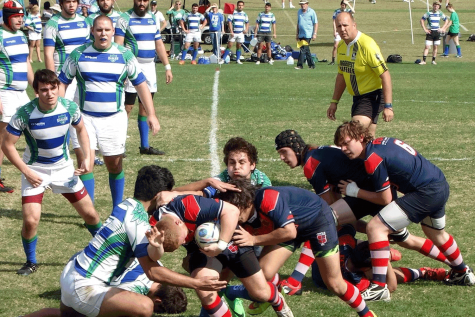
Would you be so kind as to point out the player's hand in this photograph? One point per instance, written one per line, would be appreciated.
(164, 197)
(388, 114)
(349, 188)
(331, 111)
(314, 37)
(212, 250)
(155, 237)
(33, 178)
(210, 283)
(168, 76)
(153, 123)
(242, 238)
(84, 168)
(427, 31)
(275, 36)
(221, 186)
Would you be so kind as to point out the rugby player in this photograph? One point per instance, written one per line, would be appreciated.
(106, 7)
(433, 30)
(239, 26)
(195, 22)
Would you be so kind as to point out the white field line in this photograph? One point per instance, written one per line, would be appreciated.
(213, 143)
(194, 160)
(287, 14)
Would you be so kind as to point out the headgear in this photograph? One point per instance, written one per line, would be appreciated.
(11, 9)
(291, 139)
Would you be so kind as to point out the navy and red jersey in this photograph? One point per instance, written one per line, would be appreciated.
(391, 161)
(328, 165)
(192, 210)
(280, 206)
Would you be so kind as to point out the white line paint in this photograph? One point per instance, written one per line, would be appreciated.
(213, 143)
(279, 3)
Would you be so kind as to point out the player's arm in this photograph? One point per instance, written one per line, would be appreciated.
(205, 22)
(335, 32)
(231, 28)
(340, 87)
(388, 113)
(49, 43)
(182, 25)
(146, 97)
(62, 89)
(49, 60)
(423, 24)
(286, 233)
(163, 275)
(155, 243)
(162, 54)
(446, 24)
(315, 30)
(228, 221)
(83, 140)
(350, 188)
(119, 39)
(246, 29)
(274, 27)
(30, 75)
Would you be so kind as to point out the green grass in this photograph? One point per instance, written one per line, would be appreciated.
(433, 112)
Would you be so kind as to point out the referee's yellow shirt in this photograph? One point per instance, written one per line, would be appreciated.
(361, 63)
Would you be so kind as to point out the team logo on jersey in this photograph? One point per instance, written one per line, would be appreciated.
(322, 238)
(150, 21)
(23, 40)
(233, 248)
(81, 24)
(113, 58)
(353, 56)
(378, 57)
(62, 119)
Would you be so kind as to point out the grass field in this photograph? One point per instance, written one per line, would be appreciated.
(433, 112)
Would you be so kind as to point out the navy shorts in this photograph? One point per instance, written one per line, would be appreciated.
(428, 201)
(369, 105)
(362, 208)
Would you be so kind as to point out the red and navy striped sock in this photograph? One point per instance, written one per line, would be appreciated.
(353, 298)
(305, 261)
(379, 260)
(430, 250)
(452, 252)
(218, 308)
(275, 299)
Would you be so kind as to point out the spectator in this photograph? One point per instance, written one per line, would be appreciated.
(238, 25)
(33, 24)
(195, 22)
(307, 27)
(264, 21)
(158, 15)
(454, 29)
(433, 31)
(344, 7)
(84, 11)
(176, 13)
(216, 27)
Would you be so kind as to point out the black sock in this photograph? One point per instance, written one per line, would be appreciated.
(424, 58)
(433, 58)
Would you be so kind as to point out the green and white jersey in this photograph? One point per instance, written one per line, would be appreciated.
(113, 15)
(101, 75)
(433, 19)
(134, 279)
(13, 60)
(455, 27)
(176, 16)
(120, 240)
(257, 178)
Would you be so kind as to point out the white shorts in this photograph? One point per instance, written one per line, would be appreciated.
(150, 74)
(72, 91)
(61, 180)
(193, 37)
(84, 295)
(337, 38)
(33, 36)
(237, 38)
(429, 43)
(11, 101)
(107, 134)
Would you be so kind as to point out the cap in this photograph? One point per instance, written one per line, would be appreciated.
(55, 7)
(214, 5)
(153, 2)
(303, 1)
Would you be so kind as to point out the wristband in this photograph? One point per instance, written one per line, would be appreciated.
(388, 105)
(168, 67)
(335, 101)
(222, 245)
(352, 190)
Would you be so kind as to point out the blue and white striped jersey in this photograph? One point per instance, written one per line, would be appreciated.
(239, 20)
(193, 21)
(101, 76)
(140, 34)
(46, 133)
(433, 19)
(120, 239)
(114, 15)
(65, 35)
(134, 279)
(13, 59)
(338, 11)
(265, 21)
(34, 21)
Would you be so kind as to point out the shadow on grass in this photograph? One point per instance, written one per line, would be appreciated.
(56, 294)
(45, 216)
(19, 264)
(284, 183)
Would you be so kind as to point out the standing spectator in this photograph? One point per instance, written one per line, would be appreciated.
(433, 31)
(307, 27)
(138, 30)
(15, 73)
(216, 27)
(158, 15)
(176, 13)
(106, 8)
(363, 72)
(290, 4)
(103, 113)
(46, 163)
(195, 22)
(454, 29)
(84, 11)
(33, 23)
(239, 26)
(344, 7)
(263, 31)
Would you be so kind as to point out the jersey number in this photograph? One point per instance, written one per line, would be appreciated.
(406, 147)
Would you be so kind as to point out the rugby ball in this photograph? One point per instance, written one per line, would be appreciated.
(206, 234)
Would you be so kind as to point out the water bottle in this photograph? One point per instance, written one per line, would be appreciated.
(290, 60)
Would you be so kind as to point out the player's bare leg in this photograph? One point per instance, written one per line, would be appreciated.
(118, 302)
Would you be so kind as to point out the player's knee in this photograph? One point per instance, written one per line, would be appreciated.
(336, 285)
(260, 294)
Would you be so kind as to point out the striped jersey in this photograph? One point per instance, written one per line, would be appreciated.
(120, 239)
(193, 21)
(258, 178)
(34, 21)
(433, 19)
(114, 15)
(46, 132)
(13, 59)
(140, 34)
(338, 11)
(361, 63)
(134, 279)
(239, 20)
(65, 35)
(101, 76)
(265, 21)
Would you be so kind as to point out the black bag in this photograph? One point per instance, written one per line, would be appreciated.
(471, 38)
(288, 48)
(395, 58)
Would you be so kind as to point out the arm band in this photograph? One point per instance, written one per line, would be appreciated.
(388, 105)
(335, 101)
(222, 245)
(168, 67)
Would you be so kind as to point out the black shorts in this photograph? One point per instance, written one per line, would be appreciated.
(131, 96)
(452, 34)
(264, 37)
(241, 261)
(428, 201)
(361, 207)
(433, 36)
(369, 105)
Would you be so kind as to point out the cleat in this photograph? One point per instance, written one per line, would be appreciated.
(459, 56)
(289, 289)
(98, 161)
(434, 63)
(258, 62)
(27, 269)
(5, 189)
(444, 55)
(256, 308)
(193, 62)
(235, 306)
(312, 67)
(376, 293)
(299, 67)
(466, 278)
(239, 62)
(422, 63)
(291, 6)
(181, 62)
(151, 151)
(285, 311)
(331, 63)
(434, 274)
(271, 61)
(395, 255)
